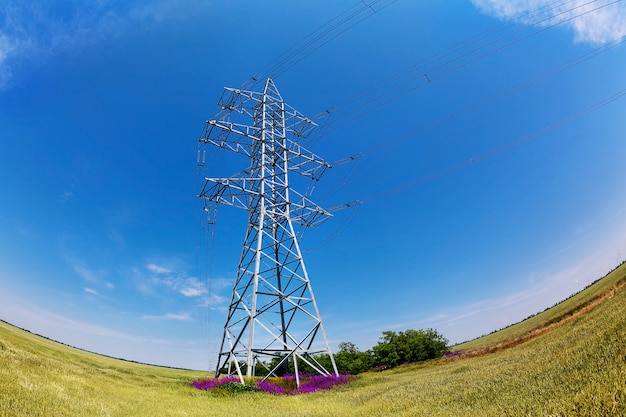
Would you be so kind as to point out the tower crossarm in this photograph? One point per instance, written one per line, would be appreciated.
(247, 103)
(240, 138)
(240, 191)
(302, 210)
(235, 137)
(304, 162)
(232, 191)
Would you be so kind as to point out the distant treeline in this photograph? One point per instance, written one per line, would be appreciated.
(93, 353)
(555, 304)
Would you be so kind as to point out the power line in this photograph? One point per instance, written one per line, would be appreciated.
(419, 76)
(496, 151)
(490, 99)
(456, 167)
(320, 37)
(441, 55)
(475, 106)
(355, 205)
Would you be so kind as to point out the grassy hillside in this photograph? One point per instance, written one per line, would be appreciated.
(573, 365)
(544, 321)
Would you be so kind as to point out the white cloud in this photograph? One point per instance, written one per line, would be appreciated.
(90, 276)
(590, 21)
(154, 278)
(35, 30)
(158, 269)
(213, 299)
(7, 46)
(65, 196)
(172, 280)
(546, 289)
(25, 229)
(85, 273)
(104, 340)
(191, 287)
(169, 316)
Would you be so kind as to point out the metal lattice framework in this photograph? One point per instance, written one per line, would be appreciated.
(273, 320)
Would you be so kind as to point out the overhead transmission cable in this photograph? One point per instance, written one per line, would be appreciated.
(439, 56)
(345, 21)
(468, 109)
(321, 36)
(424, 76)
(454, 115)
(453, 64)
(472, 107)
(430, 74)
(496, 151)
(491, 99)
(205, 254)
(354, 205)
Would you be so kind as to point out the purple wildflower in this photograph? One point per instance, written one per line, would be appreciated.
(212, 383)
(270, 388)
(308, 383)
(281, 386)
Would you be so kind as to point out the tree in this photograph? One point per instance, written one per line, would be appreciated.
(351, 360)
(410, 346)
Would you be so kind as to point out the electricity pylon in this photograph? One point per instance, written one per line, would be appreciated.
(273, 320)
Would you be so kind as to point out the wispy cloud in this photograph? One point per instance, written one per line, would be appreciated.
(130, 345)
(89, 275)
(167, 276)
(86, 273)
(25, 229)
(594, 24)
(213, 299)
(65, 196)
(191, 287)
(472, 320)
(168, 316)
(164, 277)
(37, 29)
(7, 46)
(158, 269)
(540, 289)
(90, 290)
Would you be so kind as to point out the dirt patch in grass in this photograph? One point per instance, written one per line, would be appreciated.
(544, 328)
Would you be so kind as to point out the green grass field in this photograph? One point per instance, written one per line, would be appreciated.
(567, 361)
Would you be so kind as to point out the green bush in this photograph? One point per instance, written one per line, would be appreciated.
(407, 347)
(352, 361)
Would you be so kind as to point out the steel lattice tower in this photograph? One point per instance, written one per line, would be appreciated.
(273, 319)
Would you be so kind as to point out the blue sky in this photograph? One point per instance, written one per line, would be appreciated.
(490, 143)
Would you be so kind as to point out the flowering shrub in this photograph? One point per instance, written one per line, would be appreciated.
(454, 354)
(308, 383)
(277, 386)
(212, 383)
(270, 388)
